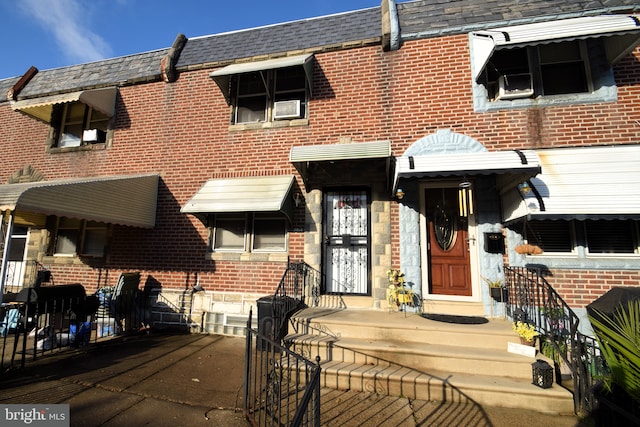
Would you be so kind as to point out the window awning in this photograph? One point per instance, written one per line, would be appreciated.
(103, 100)
(124, 200)
(250, 194)
(222, 77)
(581, 183)
(333, 152)
(622, 36)
(516, 166)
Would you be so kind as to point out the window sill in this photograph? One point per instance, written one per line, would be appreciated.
(86, 147)
(71, 260)
(277, 124)
(248, 256)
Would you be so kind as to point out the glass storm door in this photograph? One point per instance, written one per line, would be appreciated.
(346, 242)
(448, 249)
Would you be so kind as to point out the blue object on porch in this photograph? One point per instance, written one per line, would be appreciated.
(9, 322)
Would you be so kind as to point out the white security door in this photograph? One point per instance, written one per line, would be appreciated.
(346, 241)
(16, 263)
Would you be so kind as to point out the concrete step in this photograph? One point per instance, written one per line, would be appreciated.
(407, 355)
(384, 326)
(442, 357)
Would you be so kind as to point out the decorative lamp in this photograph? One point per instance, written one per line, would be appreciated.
(399, 194)
(542, 374)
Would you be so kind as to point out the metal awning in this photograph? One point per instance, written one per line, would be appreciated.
(518, 166)
(222, 77)
(103, 100)
(581, 183)
(333, 152)
(622, 34)
(250, 194)
(123, 200)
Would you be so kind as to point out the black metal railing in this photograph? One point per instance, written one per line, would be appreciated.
(533, 300)
(281, 388)
(300, 283)
(42, 323)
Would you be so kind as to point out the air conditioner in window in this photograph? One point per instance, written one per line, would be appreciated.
(514, 86)
(93, 136)
(286, 109)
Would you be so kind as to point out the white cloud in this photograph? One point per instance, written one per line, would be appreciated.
(70, 22)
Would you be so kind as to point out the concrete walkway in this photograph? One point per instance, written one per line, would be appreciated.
(196, 380)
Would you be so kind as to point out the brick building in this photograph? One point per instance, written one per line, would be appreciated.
(441, 139)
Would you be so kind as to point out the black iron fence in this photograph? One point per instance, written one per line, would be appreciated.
(531, 299)
(281, 388)
(39, 321)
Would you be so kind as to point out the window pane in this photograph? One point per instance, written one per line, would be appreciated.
(269, 234)
(229, 233)
(292, 78)
(551, 236)
(250, 83)
(95, 240)
(251, 109)
(610, 237)
(67, 241)
(564, 78)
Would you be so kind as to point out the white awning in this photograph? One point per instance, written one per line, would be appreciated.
(581, 183)
(252, 194)
(222, 76)
(622, 34)
(517, 165)
(124, 200)
(333, 152)
(103, 100)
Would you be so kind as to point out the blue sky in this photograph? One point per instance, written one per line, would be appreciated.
(56, 33)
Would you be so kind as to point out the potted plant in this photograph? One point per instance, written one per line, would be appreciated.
(497, 289)
(398, 293)
(526, 331)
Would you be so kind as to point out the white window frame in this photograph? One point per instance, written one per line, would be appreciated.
(92, 119)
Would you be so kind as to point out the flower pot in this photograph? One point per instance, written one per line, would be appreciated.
(499, 294)
(524, 341)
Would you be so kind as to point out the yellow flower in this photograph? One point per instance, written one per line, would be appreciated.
(395, 276)
(525, 330)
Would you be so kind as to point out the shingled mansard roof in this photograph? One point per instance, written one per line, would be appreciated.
(416, 19)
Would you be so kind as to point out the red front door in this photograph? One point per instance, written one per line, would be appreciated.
(448, 250)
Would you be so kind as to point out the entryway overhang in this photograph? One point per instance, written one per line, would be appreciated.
(580, 183)
(621, 32)
(247, 194)
(512, 167)
(302, 156)
(123, 200)
(103, 100)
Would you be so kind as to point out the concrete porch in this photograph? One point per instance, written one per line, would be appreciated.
(404, 354)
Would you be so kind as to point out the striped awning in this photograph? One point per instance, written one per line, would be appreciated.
(518, 165)
(124, 200)
(580, 183)
(103, 100)
(248, 194)
(622, 34)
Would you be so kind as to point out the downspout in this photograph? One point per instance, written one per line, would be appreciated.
(390, 25)
(5, 251)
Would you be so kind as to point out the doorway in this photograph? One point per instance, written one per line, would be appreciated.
(346, 242)
(447, 234)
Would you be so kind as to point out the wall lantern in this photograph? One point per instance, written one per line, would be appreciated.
(542, 374)
(399, 194)
(524, 188)
(298, 199)
(465, 199)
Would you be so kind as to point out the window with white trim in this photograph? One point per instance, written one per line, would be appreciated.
(539, 71)
(75, 124)
(71, 237)
(268, 95)
(248, 232)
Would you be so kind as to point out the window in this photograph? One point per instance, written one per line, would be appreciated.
(539, 71)
(248, 233)
(72, 237)
(77, 124)
(597, 237)
(268, 95)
